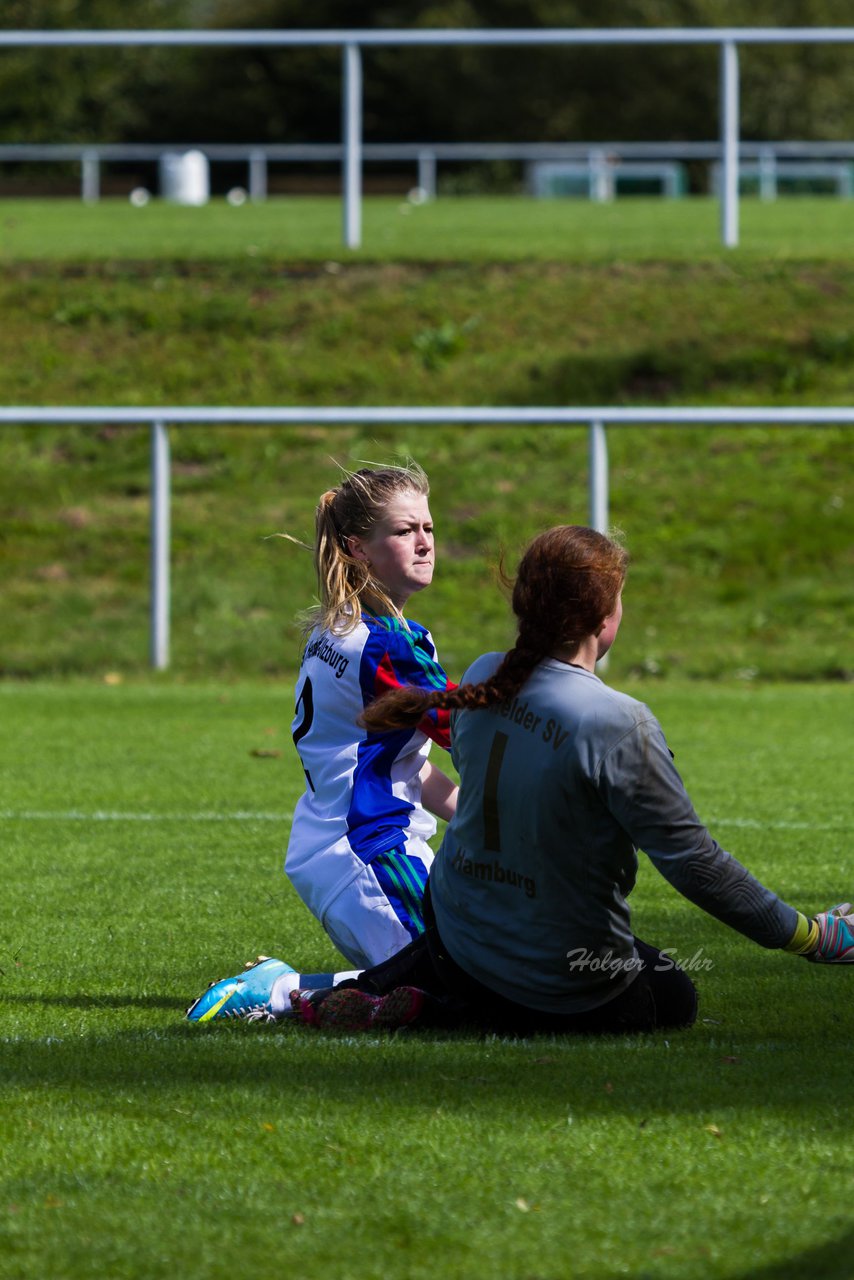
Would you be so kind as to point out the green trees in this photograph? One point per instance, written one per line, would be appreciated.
(469, 93)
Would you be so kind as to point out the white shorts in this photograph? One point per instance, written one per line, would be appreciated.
(380, 911)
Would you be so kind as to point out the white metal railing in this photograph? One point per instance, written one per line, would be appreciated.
(765, 161)
(352, 42)
(595, 418)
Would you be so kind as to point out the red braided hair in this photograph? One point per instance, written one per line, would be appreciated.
(567, 584)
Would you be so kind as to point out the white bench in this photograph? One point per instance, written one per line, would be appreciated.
(602, 177)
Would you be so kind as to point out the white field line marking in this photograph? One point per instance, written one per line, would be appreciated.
(108, 815)
(249, 815)
(756, 824)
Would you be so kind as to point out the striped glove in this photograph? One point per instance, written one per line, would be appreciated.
(827, 938)
(835, 936)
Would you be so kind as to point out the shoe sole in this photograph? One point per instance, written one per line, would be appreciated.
(351, 1010)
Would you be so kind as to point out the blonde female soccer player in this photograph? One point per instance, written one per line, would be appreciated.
(358, 854)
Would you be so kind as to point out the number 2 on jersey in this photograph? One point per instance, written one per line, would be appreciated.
(306, 701)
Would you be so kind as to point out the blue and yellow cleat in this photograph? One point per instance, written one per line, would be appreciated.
(245, 996)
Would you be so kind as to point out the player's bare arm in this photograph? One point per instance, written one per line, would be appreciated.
(438, 792)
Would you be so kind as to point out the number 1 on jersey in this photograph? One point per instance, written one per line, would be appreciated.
(491, 825)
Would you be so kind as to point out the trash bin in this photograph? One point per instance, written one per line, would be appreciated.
(185, 177)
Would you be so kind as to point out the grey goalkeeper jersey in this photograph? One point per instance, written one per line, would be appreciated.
(559, 788)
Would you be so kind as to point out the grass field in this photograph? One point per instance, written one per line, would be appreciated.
(751, 531)
(144, 820)
(142, 850)
(471, 228)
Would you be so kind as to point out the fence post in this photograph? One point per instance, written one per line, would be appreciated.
(598, 478)
(601, 177)
(729, 143)
(352, 131)
(160, 487)
(599, 492)
(767, 174)
(91, 177)
(257, 175)
(427, 173)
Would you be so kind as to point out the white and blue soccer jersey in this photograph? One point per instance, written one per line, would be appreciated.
(363, 790)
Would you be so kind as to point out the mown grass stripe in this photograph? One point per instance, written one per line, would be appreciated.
(100, 815)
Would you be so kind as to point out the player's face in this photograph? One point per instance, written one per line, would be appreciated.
(610, 627)
(400, 550)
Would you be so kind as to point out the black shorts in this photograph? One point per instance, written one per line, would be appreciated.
(660, 995)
